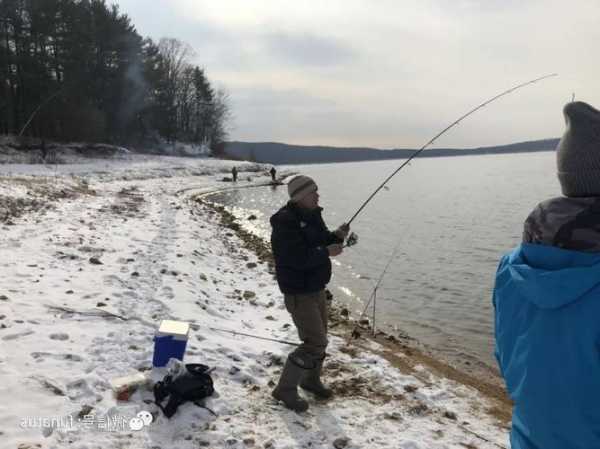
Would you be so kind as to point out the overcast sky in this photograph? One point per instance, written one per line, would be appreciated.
(387, 73)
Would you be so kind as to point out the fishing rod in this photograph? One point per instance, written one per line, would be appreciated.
(456, 122)
(374, 293)
(291, 343)
(55, 94)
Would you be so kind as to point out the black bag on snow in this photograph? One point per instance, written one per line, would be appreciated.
(193, 385)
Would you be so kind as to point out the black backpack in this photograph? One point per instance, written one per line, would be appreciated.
(193, 385)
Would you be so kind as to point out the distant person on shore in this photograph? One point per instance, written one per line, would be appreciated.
(234, 173)
(273, 174)
(44, 151)
(547, 303)
(302, 246)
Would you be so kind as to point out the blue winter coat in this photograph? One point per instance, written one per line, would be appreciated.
(547, 327)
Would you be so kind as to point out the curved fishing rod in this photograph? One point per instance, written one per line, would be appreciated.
(55, 94)
(416, 153)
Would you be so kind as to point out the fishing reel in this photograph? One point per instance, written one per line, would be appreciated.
(351, 240)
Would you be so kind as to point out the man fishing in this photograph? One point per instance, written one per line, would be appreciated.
(302, 246)
(547, 303)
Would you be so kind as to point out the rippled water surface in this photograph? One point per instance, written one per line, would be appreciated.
(451, 218)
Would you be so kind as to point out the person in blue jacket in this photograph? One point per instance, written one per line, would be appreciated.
(547, 303)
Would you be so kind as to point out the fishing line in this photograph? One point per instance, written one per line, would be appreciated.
(373, 296)
(456, 122)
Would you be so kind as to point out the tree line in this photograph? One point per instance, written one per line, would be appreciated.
(81, 70)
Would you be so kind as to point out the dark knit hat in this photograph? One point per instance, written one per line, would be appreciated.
(578, 152)
(300, 186)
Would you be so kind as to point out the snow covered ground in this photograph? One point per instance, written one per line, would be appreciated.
(94, 255)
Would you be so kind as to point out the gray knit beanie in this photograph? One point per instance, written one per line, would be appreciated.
(300, 186)
(578, 152)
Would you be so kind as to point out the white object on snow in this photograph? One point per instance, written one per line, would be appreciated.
(175, 368)
(124, 386)
(179, 330)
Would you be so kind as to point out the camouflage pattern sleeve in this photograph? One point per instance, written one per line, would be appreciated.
(570, 223)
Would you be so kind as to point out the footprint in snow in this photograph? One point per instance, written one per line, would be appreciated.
(114, 280)
(409, 445)
(80, 388)
(131, 294)
(168, 292)
(40, 356)
(17, 335)
(59, 336)
(99, 345)
(91, 295)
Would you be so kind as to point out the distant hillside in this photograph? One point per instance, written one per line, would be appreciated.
(281, 153)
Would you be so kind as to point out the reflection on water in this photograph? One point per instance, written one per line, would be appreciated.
(452, 217)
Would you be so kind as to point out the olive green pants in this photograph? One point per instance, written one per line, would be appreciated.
(309, 313)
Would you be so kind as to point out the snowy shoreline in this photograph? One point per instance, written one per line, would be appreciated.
(69, 325)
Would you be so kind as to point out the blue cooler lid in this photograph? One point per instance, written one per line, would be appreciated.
(178, 330)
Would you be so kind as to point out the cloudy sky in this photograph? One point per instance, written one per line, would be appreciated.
(387, 73)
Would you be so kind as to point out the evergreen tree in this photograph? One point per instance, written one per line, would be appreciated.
(82, 72)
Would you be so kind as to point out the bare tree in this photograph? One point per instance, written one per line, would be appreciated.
(220, 119)
(175, 56)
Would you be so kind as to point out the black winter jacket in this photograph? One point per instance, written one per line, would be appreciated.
(299, 239)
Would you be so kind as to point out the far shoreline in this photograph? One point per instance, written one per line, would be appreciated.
(278, 153)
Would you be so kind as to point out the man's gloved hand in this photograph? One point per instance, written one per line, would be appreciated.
(334, 250)
(342, 231)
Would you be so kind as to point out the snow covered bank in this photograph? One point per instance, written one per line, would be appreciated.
(89, 274)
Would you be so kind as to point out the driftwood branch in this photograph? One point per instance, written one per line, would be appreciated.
(95, 312)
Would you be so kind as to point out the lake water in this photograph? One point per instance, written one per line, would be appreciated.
(451, 218)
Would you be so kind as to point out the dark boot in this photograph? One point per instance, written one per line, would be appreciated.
(287, 388)
(312, 382)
